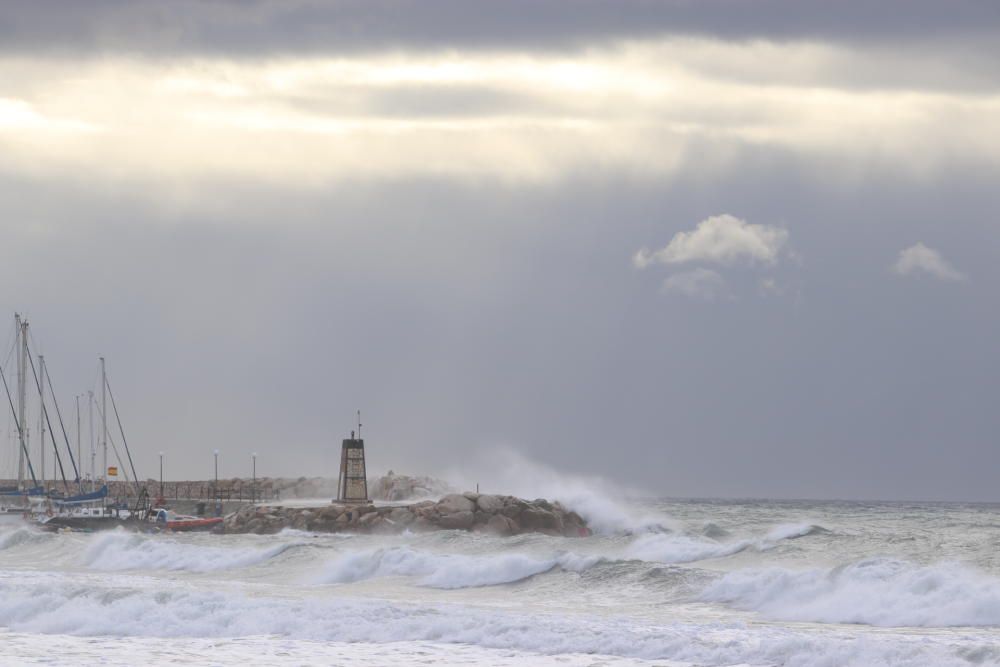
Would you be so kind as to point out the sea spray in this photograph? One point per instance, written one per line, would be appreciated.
(603, 505)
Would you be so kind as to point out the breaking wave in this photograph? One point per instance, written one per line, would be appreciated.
(793, 531)
(129, 551)
(448, 570)
(58, 605)
(669, 548)
(675, 548)
(875, 591)
(20, 536)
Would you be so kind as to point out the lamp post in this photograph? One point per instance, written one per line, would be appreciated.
(215, 489)
(253, 477)
(161, 474)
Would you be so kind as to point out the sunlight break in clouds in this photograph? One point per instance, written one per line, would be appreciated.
(722, 239)
(20, 116)
(918, 259)
(652, 108)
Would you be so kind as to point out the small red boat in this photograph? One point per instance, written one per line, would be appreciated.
(169, 520)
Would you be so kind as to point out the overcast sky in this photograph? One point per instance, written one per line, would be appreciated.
(702, 248)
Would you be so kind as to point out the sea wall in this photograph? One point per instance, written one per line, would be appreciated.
(501, 515)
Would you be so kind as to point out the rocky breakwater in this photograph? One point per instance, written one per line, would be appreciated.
(500, 515)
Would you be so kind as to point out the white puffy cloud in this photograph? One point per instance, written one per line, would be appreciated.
(722, 239)
(697, 284)
(918, 258)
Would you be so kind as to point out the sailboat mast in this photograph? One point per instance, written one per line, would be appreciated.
(17, 413)
(41, 418)
(104, 419)
(90, 427)
(22, 398)
(78, 481)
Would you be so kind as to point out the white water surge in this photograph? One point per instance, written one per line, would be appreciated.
(713, 583)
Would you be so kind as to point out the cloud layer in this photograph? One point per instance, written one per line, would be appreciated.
(660, 108)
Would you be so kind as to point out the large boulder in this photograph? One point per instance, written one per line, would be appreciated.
(322, 525)
(455, 502)
(489, 503)
(331, 511)
(500, 525)
(513, 508)
(541, 521)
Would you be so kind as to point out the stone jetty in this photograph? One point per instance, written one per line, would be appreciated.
(500, 515)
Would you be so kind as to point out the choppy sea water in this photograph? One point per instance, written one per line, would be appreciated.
(662, 583)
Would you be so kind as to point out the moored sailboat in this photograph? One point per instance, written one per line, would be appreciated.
(78, 507)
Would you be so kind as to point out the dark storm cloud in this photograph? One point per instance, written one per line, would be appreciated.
(260, 28)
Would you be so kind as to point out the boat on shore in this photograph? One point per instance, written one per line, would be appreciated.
(91, 519)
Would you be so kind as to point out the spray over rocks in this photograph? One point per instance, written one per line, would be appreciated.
(496, 514)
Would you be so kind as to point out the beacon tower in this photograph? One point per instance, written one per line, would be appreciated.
(352, 484)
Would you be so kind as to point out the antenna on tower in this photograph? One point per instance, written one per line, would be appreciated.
(359, 424)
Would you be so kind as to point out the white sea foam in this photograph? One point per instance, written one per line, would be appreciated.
(448, 570)
(24, 649)
(129, 551)
(58, 605)
(874, 591)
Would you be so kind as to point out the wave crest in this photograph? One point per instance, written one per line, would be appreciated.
(875, 591)
(448, 570)
(674, 548)
(19, 536)
(129, 551)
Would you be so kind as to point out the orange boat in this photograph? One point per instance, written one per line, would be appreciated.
(169, 520)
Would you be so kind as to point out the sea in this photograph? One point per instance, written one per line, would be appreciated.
(661, 582)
